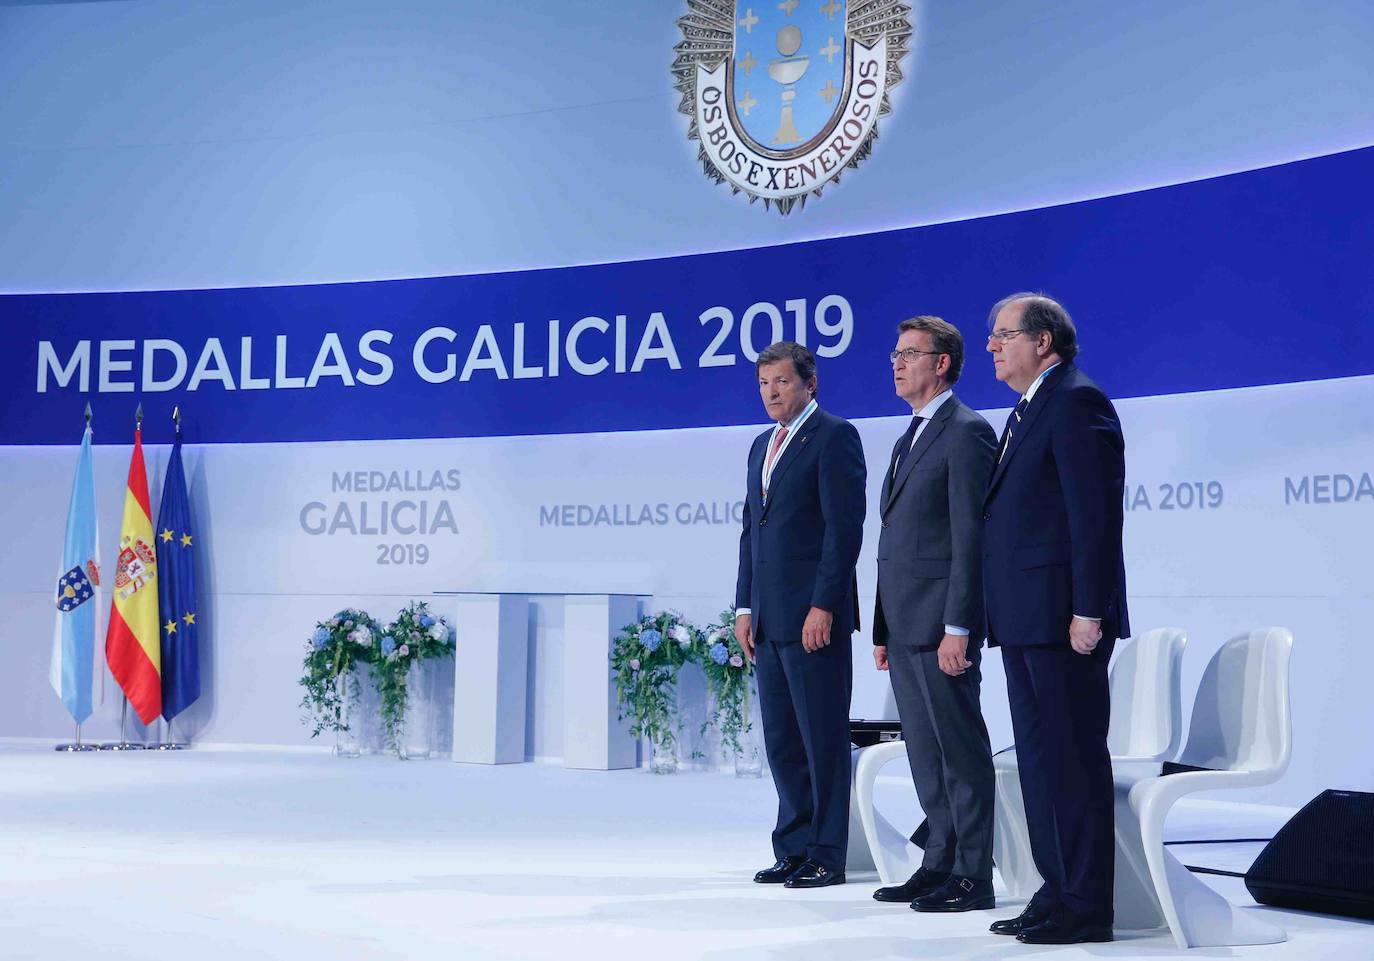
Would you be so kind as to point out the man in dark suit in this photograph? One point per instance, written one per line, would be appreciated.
(796, 606)
(928, 621)
(1054, 583)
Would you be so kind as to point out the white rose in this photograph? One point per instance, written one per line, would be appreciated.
(439, 632)
(680, 634)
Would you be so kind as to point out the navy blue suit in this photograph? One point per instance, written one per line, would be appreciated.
(798, 551)
(1052, 549)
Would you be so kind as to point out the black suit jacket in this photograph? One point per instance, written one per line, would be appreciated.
(930, 547)
(800, 549)
(1053, 518)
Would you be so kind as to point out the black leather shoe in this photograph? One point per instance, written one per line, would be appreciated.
(781, 871)
(1061, 929)
(1026, 919)
(813, 875)
(957, 894)
(922, 882)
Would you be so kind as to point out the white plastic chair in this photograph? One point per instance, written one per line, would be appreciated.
(890, 851)
(1145, 729)
(1241, 733)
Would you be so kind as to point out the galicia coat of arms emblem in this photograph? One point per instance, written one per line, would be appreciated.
(785, 96)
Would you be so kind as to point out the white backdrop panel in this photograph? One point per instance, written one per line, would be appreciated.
(1248, 507)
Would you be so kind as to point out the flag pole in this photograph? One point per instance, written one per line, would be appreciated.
(170, 743)
(124, 744)
(76, 746)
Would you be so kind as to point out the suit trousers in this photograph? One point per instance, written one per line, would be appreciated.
(951, 758)
(804, 703)
(1060, 710)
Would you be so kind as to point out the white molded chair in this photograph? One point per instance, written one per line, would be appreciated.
(1241, 734)
(1145, 729)
(891, 852)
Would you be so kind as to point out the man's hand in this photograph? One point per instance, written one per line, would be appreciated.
(816, 630)
(951, 655)
(1084, 634)
(744, 633)
(880, 657)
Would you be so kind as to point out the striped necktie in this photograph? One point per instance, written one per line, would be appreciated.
(1014, 419)
(778, 438)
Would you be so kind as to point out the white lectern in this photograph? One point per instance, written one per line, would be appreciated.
(592, 736)
(490, 675)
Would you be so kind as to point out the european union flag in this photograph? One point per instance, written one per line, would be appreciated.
(176, 592)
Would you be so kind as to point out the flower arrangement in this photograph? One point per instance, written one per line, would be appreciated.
(729, 679)
(414, 636)
(645, 662)
(338, 644)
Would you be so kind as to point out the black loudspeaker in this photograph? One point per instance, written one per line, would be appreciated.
(868, 733)
(1322, 859)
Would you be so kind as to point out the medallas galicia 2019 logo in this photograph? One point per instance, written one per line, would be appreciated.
(785, 96)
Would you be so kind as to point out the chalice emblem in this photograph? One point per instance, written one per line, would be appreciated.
(787, 70)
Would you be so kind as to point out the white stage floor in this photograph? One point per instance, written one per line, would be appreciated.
(215, 855)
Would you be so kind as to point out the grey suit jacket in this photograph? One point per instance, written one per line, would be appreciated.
(930, 553)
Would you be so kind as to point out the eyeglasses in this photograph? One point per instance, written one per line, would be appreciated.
(1005, 335)
(909, 354)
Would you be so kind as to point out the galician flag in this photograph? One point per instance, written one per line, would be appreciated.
(75, 672)
(176, 591)
(132, 646)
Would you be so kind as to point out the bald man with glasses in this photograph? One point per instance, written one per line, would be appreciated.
(1054, 583)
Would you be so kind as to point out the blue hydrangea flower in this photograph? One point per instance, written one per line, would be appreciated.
(388, 644)
(720, 653)
(651, 639)
(426, 620)
(320, 637)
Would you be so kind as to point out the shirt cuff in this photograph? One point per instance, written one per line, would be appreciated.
(956, 631)
(1085, 617)
(742, 610)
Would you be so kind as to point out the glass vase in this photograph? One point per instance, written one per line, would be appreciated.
(417, 736)
(662, 754)
(346, 718)
(749, 757)
(367, 712)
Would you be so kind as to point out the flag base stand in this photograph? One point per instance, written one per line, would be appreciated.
(169, 744)
(76, 745)
(124, 744)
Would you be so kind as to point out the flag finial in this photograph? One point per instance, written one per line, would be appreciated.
(176, 417)
(88, 413)
(138, 415)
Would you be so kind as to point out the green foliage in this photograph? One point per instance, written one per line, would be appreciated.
(412, 637)
(645, 662)
(729, 680)
(338, 644)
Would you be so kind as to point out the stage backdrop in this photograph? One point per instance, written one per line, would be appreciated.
(584, 428)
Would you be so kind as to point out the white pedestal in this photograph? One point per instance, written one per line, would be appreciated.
(490, 680)
(592, 736)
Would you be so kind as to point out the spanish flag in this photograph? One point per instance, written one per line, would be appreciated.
(132, 645)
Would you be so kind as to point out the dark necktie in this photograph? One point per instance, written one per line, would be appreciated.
(1012, 422)
(904, 446)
